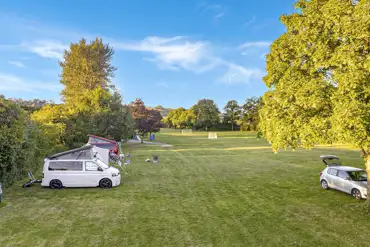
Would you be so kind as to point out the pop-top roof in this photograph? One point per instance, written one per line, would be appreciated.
(93, 138)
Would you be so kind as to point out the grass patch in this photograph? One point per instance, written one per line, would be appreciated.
(233, 191)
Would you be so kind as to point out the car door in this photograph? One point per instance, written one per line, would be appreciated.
(343, 182)
(93, 174)
(332, 177)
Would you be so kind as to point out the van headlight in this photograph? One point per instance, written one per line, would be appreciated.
(115, 174)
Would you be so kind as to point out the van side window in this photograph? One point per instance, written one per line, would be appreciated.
(65, 165)
(91, 166)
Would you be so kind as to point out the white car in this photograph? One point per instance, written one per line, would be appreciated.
(347, 179)
(78, 168)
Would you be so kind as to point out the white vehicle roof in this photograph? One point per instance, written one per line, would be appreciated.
(346, 168)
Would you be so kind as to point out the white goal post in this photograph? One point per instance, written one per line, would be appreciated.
(186, 131)
(212, 135)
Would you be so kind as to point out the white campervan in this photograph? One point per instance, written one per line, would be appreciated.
(78, 168)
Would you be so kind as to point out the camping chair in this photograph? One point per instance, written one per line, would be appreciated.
(32, 180)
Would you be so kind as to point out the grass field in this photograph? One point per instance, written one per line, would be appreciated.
(233, 191)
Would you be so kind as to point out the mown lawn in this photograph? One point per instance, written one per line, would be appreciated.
(233, 191)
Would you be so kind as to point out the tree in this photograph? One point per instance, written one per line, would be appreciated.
(154, 121)
(250, 114)
(86, 75)
(90, 102)
(319, 78)
(206, 113)
(145, 120)
(232, 110)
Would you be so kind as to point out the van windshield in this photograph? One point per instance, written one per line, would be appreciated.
(102, 164)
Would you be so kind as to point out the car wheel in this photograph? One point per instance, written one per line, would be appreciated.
(105, 183)
(324, 184)
(356, 194)
(56, 184)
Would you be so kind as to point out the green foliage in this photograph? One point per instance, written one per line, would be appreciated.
(180, 118)
(319, 77)
(22, 144)
(250, 118)
(232, 112)
(86, 75)
(206, 113)
(91, 105)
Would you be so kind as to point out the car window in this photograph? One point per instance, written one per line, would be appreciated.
(65, 165)
(91, 166)
(332, 171)
(343, 174)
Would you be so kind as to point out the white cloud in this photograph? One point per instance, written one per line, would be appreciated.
(237, 74)
(17, 63)
(219, 15)
(173, 53)
(259, 44)
(46, 48)
(250, 47)
(13, 83)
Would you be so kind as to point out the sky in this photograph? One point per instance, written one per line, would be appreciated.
(167, 52)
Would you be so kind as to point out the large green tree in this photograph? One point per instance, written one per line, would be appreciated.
(249, 119)
(206, 113)
(232, 111)
(319, 77)
(86, 75)
(90, 103)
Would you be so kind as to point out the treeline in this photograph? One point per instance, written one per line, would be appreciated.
(205, 114)
(90, 105)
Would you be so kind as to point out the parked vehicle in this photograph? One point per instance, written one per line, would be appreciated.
(347, 179)
(78, 168)
(103, 143)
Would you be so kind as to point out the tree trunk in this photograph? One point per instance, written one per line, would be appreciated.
(206, 128)
(232, 126)
(368, 177)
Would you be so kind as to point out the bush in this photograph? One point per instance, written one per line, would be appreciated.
(22, 145)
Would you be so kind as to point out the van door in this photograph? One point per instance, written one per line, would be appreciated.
(94, 174)
(67, 171)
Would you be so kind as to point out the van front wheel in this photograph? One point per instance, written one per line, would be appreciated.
(105, 183)
(56, 184)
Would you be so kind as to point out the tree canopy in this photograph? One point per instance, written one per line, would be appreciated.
(319, 77)
(91, 105)
(232, 111)
(145, 120)
(250, 119)
(206, 113)
(86, 74)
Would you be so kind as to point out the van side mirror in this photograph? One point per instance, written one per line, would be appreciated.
(100, 169)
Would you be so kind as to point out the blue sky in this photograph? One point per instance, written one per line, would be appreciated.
(167, 52)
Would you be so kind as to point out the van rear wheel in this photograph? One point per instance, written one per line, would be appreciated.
(56, 184)
(105, 183)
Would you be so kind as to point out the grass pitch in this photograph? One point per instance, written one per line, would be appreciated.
(233, 191)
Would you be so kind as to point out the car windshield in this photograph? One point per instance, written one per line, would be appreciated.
(358, 175)
(102, 164)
